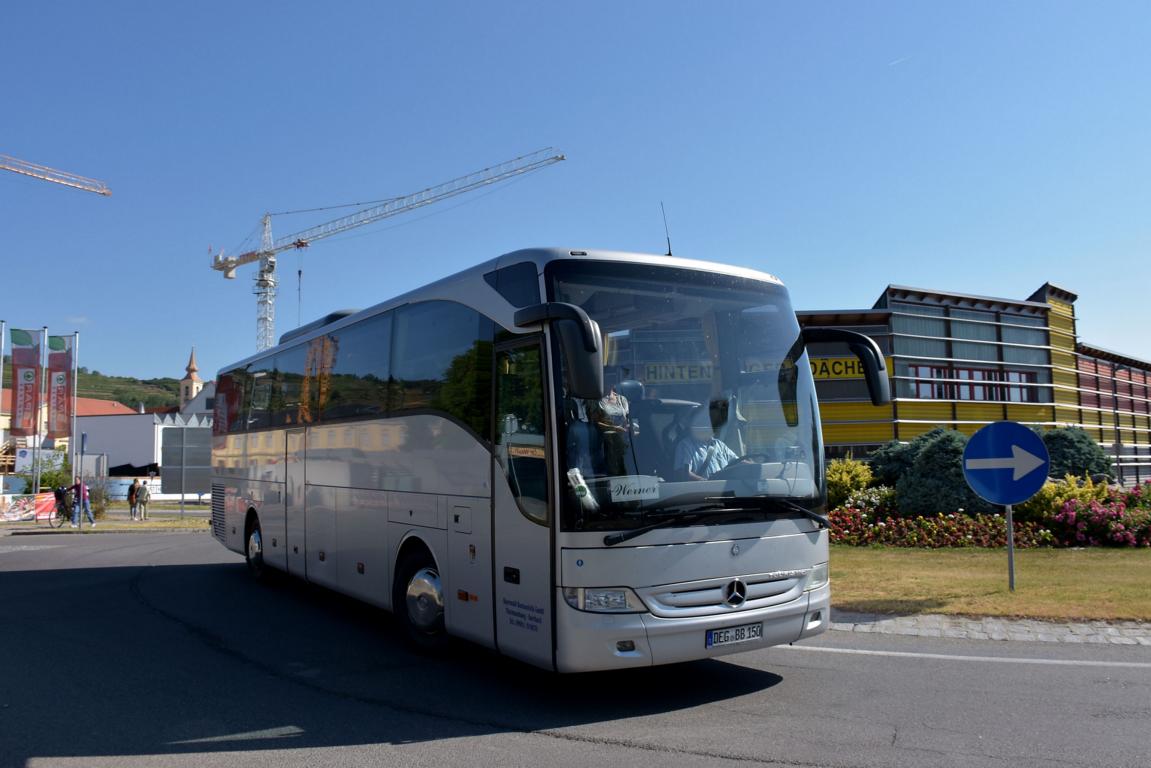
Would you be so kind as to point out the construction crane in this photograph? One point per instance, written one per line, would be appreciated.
(265, 282)
(51, 174)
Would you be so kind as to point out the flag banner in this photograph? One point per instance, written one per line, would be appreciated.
(25, 381)
(59, 386)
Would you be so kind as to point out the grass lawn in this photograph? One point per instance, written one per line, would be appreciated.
(1057, 584)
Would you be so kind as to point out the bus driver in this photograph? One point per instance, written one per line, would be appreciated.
(700, 454)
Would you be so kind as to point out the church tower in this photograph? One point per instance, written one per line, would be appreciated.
(191, 384)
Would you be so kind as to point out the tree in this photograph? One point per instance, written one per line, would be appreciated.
(1073, 452)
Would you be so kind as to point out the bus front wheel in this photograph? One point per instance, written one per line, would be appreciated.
(254, 550)
(418, 602)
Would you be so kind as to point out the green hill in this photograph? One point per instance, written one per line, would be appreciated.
(153, 393)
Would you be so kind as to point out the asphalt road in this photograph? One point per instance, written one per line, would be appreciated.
(157, 650)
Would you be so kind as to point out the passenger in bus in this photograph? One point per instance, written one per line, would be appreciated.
(700, 454)
(610, 416)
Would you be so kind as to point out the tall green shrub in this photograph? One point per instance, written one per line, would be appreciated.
(1073, 452)
(895, 459)
(935, 483)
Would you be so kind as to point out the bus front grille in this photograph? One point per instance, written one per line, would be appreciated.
(725, 595)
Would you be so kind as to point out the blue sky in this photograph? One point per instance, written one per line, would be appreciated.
(983, 147)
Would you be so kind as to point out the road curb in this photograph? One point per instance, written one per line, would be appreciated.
(1135, 633)
(98, 530)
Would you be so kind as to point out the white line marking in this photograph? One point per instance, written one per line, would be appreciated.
(283, 732)
(956, 657)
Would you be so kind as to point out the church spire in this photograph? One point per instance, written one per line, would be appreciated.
(191, 384)
(191, 368)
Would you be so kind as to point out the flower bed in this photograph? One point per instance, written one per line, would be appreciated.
(1121, 519)
(858, 528)
(1093, 524)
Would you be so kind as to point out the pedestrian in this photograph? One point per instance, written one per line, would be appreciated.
(80, 501)
(133, 489)
(143, 496)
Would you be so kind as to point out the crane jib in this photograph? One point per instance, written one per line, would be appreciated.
(265, 280)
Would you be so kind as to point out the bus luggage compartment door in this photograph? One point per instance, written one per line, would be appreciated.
(469, 599)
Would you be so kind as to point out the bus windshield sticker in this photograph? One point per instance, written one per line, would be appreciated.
(634, 488)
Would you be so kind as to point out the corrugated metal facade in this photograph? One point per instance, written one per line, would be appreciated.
(962, 361)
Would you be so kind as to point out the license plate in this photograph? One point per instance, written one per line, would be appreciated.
(732, 635)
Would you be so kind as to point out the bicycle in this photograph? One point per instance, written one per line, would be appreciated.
(61, 513)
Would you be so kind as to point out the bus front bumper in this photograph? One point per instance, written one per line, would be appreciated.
(588, 642)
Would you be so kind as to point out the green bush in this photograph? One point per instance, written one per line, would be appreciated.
(845, 476)
(1073, 452)
(98, 498)
(895, 459)
(935, 483)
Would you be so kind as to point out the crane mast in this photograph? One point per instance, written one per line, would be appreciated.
(45, 173)
(265, 282)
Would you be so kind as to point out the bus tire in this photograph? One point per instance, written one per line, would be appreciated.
(254, 549)
(418, 602)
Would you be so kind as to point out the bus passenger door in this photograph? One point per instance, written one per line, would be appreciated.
(521, 522)
(294, 508)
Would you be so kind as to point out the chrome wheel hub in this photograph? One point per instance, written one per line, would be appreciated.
(425, 600)
(255, 545)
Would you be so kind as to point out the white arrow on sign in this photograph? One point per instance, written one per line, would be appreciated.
(1021, 463)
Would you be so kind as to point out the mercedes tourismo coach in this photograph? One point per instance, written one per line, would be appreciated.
(584, 460)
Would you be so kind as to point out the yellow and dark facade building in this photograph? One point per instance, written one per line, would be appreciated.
(961, 362)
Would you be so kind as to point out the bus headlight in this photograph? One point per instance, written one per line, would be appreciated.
(603, 599)
(817, 578)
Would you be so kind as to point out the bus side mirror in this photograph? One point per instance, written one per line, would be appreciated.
(581, 344)
(869, 354)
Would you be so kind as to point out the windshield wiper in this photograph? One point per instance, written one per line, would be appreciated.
(773, 504)
(716, 506)
(669, 517)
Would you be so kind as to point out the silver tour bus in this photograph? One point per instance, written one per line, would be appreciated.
(585, 460)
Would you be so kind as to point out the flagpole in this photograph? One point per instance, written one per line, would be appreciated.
(75, 388)
(36, 452)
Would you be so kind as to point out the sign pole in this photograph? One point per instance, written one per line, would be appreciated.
(183, 434)
(1006, 463)
(80, 490)
(1010, 550)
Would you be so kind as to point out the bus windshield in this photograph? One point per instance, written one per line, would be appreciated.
(709, 398)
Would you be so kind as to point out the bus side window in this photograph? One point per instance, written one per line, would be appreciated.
(291, 406)
(520, 440)
(259, 400)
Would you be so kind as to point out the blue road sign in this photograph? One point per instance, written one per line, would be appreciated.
(1005, 463)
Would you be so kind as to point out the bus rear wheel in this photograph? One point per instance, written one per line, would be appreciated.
(418, 602)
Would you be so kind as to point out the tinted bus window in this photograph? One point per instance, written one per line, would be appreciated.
(292, 394)
(258, 396)
(357, 385)
(442, 361)
(228, 411)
